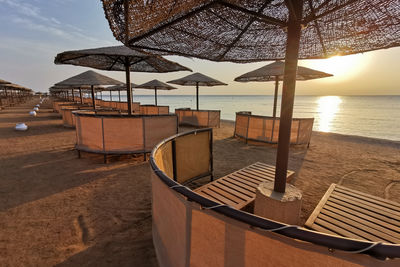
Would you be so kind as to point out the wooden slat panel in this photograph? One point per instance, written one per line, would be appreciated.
(366, 206)
(236, 181)
(240, 192)
(354, 214)
(214, 187)
(350, 228)
(238, 189)
(373, 199)
(339, 231)
(221, 199)
(363, 225)
(372, 216)
(378, 223)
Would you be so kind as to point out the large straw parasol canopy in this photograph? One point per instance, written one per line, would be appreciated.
(247, 31)
(197, 79)
(275, 72)
(119, 58)
(155, 85)
(89, 78)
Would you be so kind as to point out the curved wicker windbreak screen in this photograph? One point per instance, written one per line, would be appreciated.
(187, 234)
(199, 118)
(266, 129)
(57, 105)
(188, 157)
(153, 110)
(68, 118)
(116, 134)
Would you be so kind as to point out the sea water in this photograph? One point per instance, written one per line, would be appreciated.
(370, 116)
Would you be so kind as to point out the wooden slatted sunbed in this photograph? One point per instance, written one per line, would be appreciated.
(357, 215)
(238, 189)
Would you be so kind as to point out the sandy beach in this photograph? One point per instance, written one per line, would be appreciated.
(58, 210)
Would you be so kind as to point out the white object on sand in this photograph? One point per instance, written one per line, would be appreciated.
(32, 113)
(21, 127)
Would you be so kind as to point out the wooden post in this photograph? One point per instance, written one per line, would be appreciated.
(289, 85)
(80, 94)
(128, 86)
(127, 65)
(275, 96)
(155, 95)
(93, 98)
(197, 95)
(119, 95)
(110, 96)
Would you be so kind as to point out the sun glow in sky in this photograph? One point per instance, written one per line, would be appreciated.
(342, 67)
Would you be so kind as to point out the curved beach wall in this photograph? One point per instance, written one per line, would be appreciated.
(190, 230)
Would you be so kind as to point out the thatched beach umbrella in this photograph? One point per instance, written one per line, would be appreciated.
(65, 88)
(197, 79)
(4, 81)
(119, 58)
(13, 87)
(155, 85)
(249, 31)
(275, 72)
(89, 78)
(119, 88)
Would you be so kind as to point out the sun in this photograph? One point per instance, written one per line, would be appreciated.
(342, 67)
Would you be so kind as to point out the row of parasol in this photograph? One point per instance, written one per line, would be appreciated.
(121, 58)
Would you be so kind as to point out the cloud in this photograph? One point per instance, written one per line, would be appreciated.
(31, 17)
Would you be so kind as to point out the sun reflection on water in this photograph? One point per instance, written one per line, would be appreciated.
(328, 106)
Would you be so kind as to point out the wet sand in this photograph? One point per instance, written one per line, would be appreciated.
(56, 209)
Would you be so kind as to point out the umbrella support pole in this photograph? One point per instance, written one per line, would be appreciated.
(80, 95)
(128, 87)
(93, 98)
(197, 95)
(155, 95)
(275, 96)
(288, 91)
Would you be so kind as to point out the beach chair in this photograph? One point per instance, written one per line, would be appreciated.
(350, 213)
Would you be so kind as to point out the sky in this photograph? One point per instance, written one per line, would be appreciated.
(34, 31)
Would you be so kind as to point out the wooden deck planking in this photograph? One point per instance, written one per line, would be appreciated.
(238, 189)
(354, 214)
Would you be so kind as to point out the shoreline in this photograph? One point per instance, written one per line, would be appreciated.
(349, 136)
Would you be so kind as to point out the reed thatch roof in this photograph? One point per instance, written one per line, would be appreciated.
(89, 78)
(116, 57)
(4, 81)
(246, 31)
(276, 70)
(155, 84)
(70, 87)
(13, 86)
(121, 87)
(197, 79)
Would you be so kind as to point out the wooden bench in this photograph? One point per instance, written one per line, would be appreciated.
(357, 215)
(238, 189)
